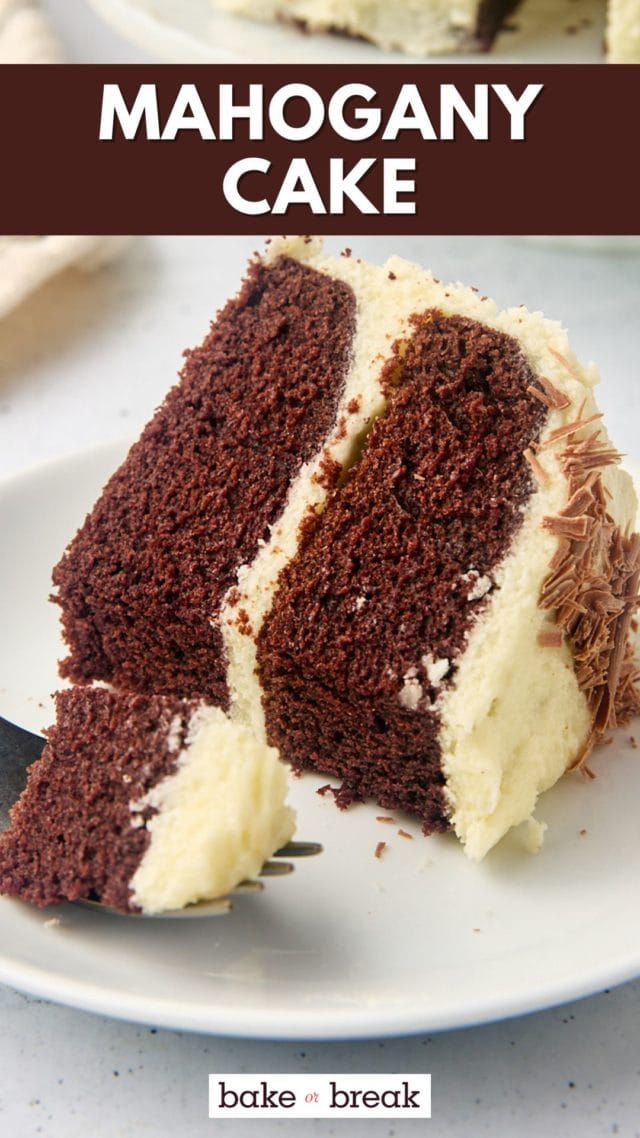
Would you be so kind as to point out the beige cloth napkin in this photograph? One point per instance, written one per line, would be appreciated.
(27, 262)
(26, 36)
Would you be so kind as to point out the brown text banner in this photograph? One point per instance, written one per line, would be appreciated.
(388, 149)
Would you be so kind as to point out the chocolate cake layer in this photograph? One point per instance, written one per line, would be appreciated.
(370, 616)
(72, 835)
(141, 584)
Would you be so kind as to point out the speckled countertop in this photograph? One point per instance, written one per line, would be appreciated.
(83, 362)
(573, 1072)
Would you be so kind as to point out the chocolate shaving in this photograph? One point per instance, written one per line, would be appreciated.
(578, 501)
(566, 365)
(577, 528)
(550, 638)
(539, 472)
(592, 590)
(550, 396)
(589, 454)
(569, 429)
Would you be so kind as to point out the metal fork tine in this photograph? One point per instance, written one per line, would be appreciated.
(249, 886)
(276, 869)
(217, 907)
(299, 849)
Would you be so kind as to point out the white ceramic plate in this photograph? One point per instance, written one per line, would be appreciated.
(192, 31)
(349, 945)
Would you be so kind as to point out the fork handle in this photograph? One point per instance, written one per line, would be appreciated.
(18, 750)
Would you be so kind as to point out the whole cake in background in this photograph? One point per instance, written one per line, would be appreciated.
(434, 27)
(381, 525)
(419, 27)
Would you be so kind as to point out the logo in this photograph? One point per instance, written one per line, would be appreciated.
(320, 1096)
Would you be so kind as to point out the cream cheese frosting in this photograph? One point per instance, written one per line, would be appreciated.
(219, 815)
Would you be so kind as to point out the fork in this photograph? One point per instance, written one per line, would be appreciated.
(20, 748)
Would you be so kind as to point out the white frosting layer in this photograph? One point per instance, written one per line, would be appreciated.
(220, 815)
(419, 27)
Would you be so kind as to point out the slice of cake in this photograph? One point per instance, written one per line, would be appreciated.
(145, 803)
(380, 523)
(419, 27)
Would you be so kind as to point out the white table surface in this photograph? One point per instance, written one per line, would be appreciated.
(85, 361)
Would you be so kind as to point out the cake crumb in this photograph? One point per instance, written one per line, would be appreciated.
(380, 848)
(583, 833)
(327, 789)
(405, 834)
(392, 276)
(384, 818)
(53, 923)
(633, 742)
(411, 691)
(436, 669)
(480, 585)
